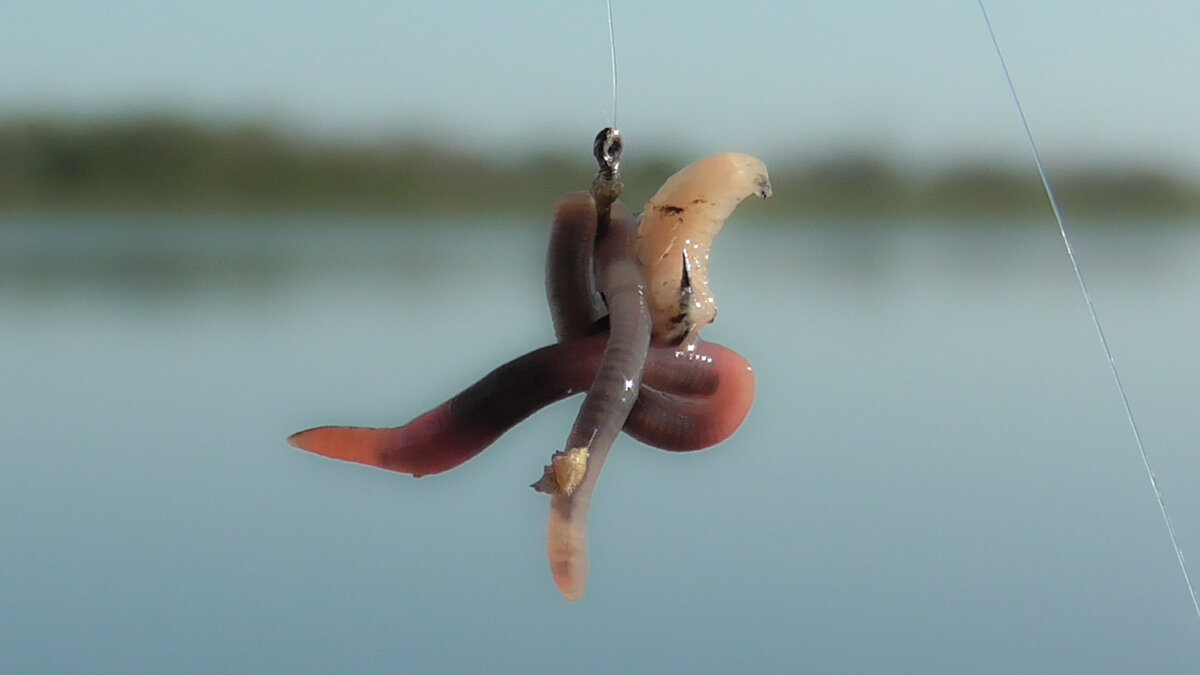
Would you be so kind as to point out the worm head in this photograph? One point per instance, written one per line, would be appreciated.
(677, 231)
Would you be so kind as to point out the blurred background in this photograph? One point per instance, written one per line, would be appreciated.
(224, 223)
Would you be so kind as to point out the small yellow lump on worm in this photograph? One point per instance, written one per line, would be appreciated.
(564, 473)
(569, 469)
(673, 242)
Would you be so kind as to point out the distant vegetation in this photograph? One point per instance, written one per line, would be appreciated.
(177, 165)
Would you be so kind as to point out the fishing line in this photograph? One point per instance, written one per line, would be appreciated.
(612, 50)
(1087, 296)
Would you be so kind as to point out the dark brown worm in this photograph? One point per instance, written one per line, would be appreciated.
(622, 284)
(683, 423)
(711, 389)
(658, 418)
(678, 399)
(688, 401)
(575, 305)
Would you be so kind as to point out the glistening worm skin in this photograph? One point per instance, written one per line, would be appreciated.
(690, 400)
(570, 289)
(658, 418)
(683, 423)
(623, 287)
(692, 396)
(607, 405)
(666, 421)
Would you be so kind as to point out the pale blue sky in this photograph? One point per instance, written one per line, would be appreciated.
(1109, 80)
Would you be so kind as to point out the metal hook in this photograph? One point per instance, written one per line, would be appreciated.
(606, 188)
(607, 150)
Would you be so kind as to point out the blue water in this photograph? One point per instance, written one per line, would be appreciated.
(936, 476)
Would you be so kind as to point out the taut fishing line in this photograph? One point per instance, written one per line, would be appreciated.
(612, 51)
(1087, 296)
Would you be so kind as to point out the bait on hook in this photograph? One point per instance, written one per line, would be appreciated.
(627, 313)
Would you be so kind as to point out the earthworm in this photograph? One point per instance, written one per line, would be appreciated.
(571, 476)
(690, 400)
(722, 386)
(664, 420)
(570, 290)
(627, 308)
(683, 423)
(622, 285)
(673, 242)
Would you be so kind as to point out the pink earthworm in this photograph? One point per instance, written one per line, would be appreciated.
(577, 311)
(571, 477)
(628, 296)
(653, 416)
(710, 392)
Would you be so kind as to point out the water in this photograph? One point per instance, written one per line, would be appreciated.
(936, 475)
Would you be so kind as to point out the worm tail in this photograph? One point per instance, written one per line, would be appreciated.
(606, 407)
(464, 426)
(689, 400)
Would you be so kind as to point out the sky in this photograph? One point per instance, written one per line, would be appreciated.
(917, 81)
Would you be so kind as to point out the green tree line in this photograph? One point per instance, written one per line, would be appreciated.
(173, 164)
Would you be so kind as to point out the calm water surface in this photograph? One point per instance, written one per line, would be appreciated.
(936, 476)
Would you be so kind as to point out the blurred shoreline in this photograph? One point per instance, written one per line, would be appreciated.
(172, 165)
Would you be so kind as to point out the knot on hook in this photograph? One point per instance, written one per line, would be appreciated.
(606, 188)
(607, 150)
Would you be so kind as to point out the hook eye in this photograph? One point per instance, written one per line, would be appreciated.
(607, 150)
